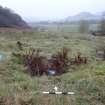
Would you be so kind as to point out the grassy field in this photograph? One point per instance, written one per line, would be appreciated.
(17, 87)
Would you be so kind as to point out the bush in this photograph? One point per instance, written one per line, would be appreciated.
(56, 65)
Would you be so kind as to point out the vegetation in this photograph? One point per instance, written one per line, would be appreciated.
(102, 25)
(17, 87)
(84, 26)
(39, 65)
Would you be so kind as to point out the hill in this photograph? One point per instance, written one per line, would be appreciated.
(10, 19)
(84, 15)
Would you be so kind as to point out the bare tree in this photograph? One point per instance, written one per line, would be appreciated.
(102, 23)
(83, 26)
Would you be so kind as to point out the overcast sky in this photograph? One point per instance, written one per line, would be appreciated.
(53, 9)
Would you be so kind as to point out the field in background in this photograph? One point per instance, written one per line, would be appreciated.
(64, 27)
(17, 87)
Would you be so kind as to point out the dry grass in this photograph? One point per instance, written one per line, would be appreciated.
(17, 87)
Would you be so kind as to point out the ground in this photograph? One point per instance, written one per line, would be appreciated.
(17, 87)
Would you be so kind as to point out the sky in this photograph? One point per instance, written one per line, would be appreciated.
(52, 9)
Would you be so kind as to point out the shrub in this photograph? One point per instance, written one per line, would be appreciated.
(35, 62)
(59, 61)
(39, 65)
(56, 65)
(78, 60)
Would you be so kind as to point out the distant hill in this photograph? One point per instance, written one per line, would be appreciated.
(10, 19)
(83, 16)
(91, 18)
